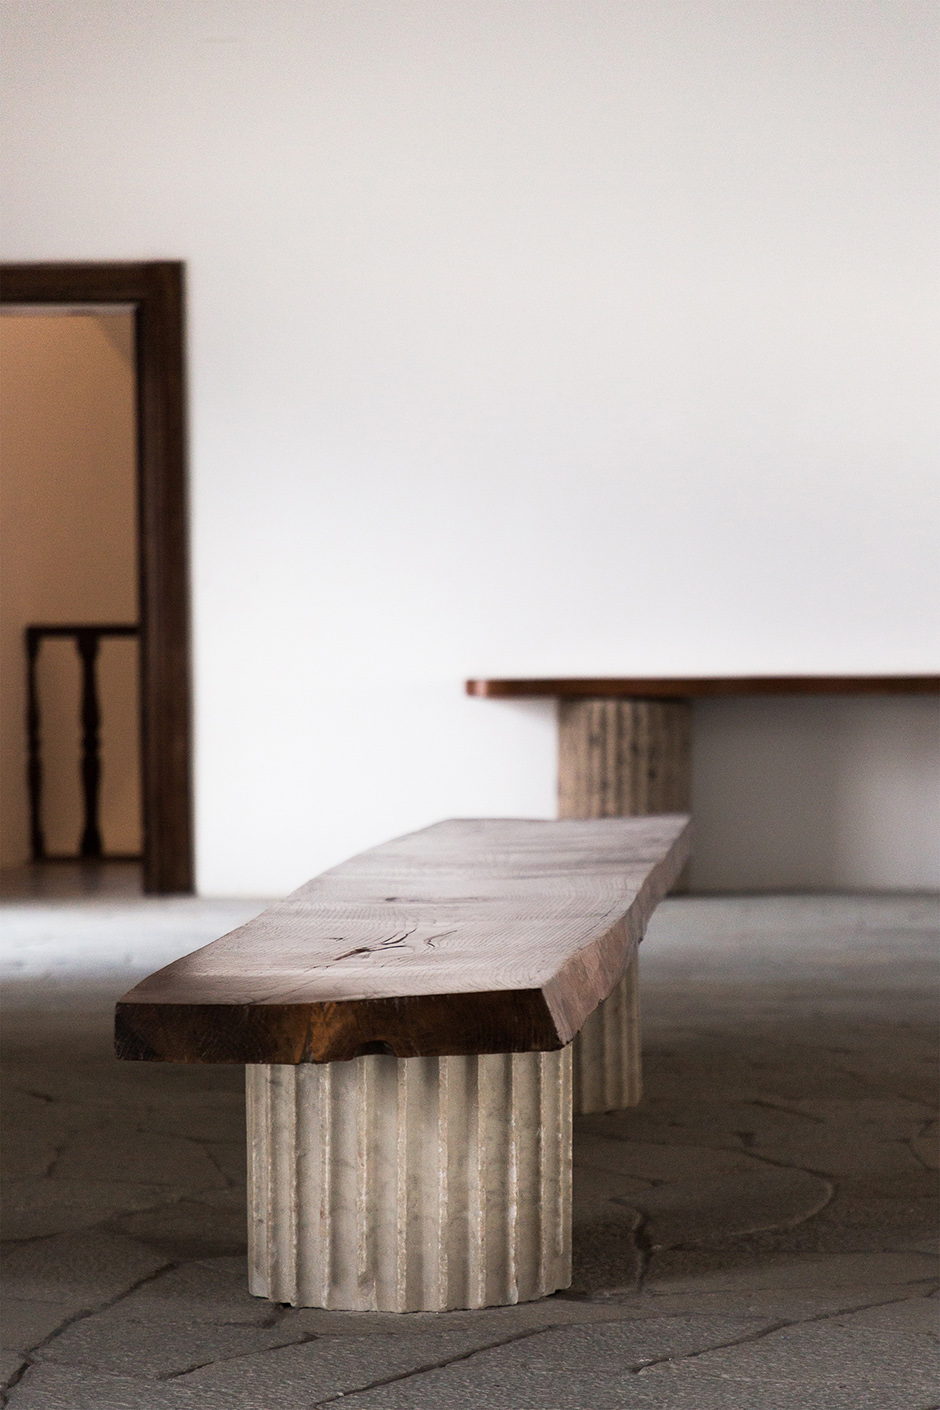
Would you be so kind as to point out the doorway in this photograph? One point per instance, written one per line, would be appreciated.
(140, 305)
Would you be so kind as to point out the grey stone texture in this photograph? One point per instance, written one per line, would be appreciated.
(757, 1234)
(410, 1185)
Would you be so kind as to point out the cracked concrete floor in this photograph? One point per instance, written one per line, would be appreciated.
(757, 1235)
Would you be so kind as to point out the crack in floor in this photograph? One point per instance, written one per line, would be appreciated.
(432, 1366)
(309, 1337)
(825, 1176)
(303, 1340)
(644, 1248)
(928, 1287)
(790, 1110)
(229, 1183)
(779, 1326)
(881, 1089)
(59, 1151)
(924, 1164)
(638, 1369)
(29, 1354)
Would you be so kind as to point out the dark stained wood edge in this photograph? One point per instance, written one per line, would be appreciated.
(690, 687)
(73, 628)
(592, 973)
(430, 1025)
(165, 582)
(156, 290)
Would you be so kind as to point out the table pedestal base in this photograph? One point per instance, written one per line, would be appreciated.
(415, 1184)
(619, 758)
(623, 758)
(607, 1071)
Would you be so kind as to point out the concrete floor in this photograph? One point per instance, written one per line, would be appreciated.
(757, 1235)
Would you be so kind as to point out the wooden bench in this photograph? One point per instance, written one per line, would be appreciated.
(406, 1020)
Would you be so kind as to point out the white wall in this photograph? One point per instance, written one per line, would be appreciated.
(526, 336)
(68, 506)
(815, 794)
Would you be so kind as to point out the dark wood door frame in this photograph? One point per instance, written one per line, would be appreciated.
(155, 291)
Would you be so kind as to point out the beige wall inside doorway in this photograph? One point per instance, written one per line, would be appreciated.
(69, 554)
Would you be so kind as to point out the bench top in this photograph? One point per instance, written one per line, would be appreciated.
(471, 936)
(693, 687)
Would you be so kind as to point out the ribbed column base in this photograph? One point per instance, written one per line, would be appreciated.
(408, 1185)
(623, 758)
(607, 1071)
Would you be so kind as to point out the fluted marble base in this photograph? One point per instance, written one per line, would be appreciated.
(415, 1184)
(607, 1071)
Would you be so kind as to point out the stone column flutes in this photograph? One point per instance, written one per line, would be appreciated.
(619, 758)
(412, 1184)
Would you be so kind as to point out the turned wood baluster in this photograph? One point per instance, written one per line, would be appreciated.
(34, 758)
(87, 642)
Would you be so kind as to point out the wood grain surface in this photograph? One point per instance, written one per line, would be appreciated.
(690, 687)
(471, 936)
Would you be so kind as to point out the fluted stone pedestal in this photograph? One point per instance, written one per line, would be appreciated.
(623, 758)
(607, 1072)
(415, 1184)
(619, 758)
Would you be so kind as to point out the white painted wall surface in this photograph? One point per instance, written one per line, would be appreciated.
(815, 794)
(526, 337)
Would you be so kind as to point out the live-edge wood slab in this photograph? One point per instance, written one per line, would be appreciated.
(471, 936)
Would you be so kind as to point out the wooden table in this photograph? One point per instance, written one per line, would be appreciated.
(406, 1020)
(625, 743)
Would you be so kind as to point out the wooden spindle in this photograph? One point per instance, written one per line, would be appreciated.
(37, 839)
(87, 642)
